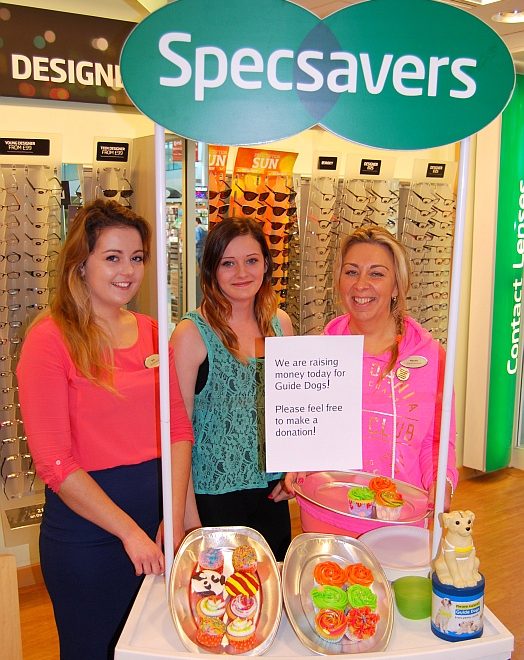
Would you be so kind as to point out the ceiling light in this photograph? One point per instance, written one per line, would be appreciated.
(515, 16)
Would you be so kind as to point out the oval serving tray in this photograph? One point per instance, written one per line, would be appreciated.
(304, 553)
(328, 490)
(180, 595)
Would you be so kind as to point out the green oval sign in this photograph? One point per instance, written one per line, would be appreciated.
(409, 74)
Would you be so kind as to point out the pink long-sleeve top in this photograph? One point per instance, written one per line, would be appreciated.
(401, 416)
(72, 423)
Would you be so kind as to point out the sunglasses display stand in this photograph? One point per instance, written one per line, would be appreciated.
(427, 234)
(31, 224)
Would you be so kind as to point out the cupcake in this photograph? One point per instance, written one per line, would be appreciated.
(211, 606)
(361, 623)
(211, 559)
(381, 483)
(245, 559)
(359, 574)
(359, 596)
(241, 634)
(329, 598)
(360, 500)
(331, 625)
(242, 607)
(210, 631)
(207, 583)
(245, 584)
(328, 572)
(388, 505)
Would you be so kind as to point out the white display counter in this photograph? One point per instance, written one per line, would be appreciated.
(150, 633)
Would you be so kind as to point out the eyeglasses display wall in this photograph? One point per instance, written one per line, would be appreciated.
(428, 236)
(30, 238)
(336, 208)
(272, 201)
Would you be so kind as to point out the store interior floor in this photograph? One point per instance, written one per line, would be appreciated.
(497, 500)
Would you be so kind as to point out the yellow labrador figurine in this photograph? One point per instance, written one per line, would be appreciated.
(456, 562)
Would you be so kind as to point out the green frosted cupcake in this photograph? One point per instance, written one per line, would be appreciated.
(360, 596)
(328, 597)
(361, 500)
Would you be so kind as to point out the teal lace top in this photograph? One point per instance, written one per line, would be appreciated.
(228, 420)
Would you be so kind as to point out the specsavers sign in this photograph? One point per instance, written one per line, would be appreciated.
(397, 74)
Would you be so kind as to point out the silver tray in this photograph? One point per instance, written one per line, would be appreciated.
(180, 596)
(304, 553)
(328, 490)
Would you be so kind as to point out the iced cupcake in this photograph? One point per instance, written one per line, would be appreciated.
(210, 631)
(381, 483)
(328, 572)
(359, 574)
(211, 559)
(245, 559)
(211, 606)
(331, 625)
(388, 505)
(241, 634)
(329, 598)
(359, 596)
(242, 607)
(361, 500)
(245, 584)
(361, 623)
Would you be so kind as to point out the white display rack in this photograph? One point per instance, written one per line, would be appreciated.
(150, 634)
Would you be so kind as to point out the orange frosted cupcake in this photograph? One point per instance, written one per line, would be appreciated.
(362, 623)
(359, 574)
(328, 572)
(381, 483)
(210, 631)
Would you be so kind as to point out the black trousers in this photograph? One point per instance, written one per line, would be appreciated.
(249, 508)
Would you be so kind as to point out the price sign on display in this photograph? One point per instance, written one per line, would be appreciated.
(313, 409)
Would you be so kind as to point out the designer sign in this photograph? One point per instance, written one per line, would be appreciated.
(402, 74)
(313, 390)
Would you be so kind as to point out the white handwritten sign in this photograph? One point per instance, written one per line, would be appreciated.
(313, 402)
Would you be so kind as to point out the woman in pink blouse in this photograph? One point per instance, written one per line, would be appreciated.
(89, 399)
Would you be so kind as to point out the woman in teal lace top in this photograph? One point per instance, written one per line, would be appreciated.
(219, 350)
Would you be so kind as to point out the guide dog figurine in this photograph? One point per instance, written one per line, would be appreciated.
(457, 563)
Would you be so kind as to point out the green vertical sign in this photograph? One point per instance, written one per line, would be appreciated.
(508, 285)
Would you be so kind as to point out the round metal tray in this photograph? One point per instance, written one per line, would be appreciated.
(304, 553)
(182, 601)
(329, 490)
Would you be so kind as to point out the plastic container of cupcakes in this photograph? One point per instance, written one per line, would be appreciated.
(225, 594)
(337, 597)
(330, 501)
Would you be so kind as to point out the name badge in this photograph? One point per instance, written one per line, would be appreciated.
(152, 361)
(414, 362)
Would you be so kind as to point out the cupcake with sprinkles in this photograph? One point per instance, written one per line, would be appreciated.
(244, 559)
(210, 631)
(211, 559)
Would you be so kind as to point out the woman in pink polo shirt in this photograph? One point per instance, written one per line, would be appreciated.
(88, 382)
(401, 398)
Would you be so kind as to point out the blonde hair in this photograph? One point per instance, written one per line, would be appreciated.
(88, 344)
(375, 235)
(216, 308)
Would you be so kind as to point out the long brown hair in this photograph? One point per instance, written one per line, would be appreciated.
(89, 345)
(216, 308)
(398, 309)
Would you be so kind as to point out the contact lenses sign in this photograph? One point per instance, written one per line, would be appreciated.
(403, 74)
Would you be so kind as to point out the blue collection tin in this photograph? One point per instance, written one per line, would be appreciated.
(457, 613)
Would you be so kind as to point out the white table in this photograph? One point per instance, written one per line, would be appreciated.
(150, 633)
